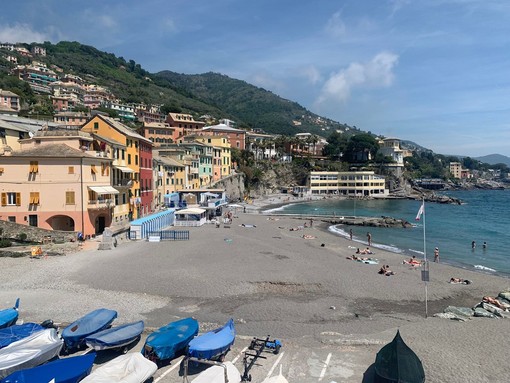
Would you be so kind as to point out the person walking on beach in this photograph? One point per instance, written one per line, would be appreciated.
(436, 254)
(311, 222)
(369, 239)
(350, 234)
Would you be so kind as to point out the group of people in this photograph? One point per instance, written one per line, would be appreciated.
(364, 251)
(412, 261)
(473, 245)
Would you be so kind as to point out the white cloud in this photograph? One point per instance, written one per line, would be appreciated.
(106, 21)
(311, 74)
(19, 33)
(375, 74)
(335, 26)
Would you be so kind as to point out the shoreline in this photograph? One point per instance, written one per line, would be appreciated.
(263, 206)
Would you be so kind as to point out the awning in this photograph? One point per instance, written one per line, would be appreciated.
(192, 210)
(124, 169)
(104, 190)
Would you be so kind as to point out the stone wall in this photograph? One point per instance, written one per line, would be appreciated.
(233, 185)
(11, 230)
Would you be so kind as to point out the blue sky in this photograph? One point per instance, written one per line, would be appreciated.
(436, 72)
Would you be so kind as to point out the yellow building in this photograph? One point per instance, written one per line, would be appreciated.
(221, 155)
(363, 183)
(121, 144)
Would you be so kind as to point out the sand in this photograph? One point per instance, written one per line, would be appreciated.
(273, 281)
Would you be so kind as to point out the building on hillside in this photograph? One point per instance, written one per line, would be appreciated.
(68, 88)
(390, 147)
(37, 75)
(205, 153)
(134, 159)
(161, 133)
(184, 121)
(263, 146)
(149, 113)
(353, 184)
(125, 112)
(38, 51)
(54, 186)
(71, 118)
(229, 123)
(95, 95)
(9, 102)
(180, 174)
(168, 175)
(222, 160)
(236, 137)
(305, 144)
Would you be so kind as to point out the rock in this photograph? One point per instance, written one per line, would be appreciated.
(480, 312)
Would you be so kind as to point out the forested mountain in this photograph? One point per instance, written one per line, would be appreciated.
(203, 94)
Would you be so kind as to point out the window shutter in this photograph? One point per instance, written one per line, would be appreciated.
(4, 199)
(18, 199)
(93, 169)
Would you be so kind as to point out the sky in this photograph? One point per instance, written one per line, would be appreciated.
(436, 72)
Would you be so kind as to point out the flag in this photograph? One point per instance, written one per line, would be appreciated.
(421, 211)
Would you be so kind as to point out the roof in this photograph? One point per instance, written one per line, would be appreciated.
(28, 124)
(123, 128)
(53, 150)
(193, 210)
(7, 93)
(108, 140)
(223, 128)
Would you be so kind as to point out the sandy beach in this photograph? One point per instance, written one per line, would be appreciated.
(271, 280)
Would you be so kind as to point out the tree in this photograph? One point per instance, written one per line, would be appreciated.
(361, 148)
(336, 146)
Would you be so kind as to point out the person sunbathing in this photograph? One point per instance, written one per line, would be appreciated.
(494, 302)
(412, 261)
(308, 236)
(460, 280)
(366, 251)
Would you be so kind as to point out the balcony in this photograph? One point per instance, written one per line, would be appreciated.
(124, 182)
(100, 203)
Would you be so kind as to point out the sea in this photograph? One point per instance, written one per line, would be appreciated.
(483, 216)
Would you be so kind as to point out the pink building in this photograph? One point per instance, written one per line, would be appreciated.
(52, 184)
(9, 101)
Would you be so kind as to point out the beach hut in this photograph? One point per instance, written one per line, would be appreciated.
(190, 217)
(397, 363)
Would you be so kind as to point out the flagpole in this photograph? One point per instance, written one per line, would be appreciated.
(425, 256)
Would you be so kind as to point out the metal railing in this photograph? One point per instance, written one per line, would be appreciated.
(170, 235)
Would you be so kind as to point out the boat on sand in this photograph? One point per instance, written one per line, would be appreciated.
(168, 340)
(128, 368)
(66, 370)
(14, 333)
(30, 351)
(213, 344)
(8, 317)
(216, 374)
(115, 337)
(74, 335)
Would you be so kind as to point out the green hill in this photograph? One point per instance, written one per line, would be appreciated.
(203, 94)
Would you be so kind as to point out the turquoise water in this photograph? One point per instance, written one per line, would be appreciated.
(484, 216)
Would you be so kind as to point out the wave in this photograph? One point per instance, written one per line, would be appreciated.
(342, 233)
(281, 208)
(484, 268)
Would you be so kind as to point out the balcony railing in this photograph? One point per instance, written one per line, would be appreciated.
(100, 203)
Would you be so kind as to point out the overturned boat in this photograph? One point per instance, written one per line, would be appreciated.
(74, 335)
(213, 344)
(132, 368)
(115, 337)
(397, 363)
(8, 317)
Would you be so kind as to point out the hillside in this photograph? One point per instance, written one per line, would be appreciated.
(494, 159)
(203, 94)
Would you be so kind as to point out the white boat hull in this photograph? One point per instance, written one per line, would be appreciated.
(216, 374)
(129, 368)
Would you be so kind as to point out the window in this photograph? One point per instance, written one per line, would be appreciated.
(70, 198)
(136, 159)
(32, 220)
(70, 170)
(11, 199)
(34, 167)
(93, 169)
(12, 218)
(96, 125)
(123, 153)
(129, 159)
(34, 198)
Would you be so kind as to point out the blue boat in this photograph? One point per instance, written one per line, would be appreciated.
(14, 333)
(8, 317)
(165, 342)
(74, 335)
(67, 370)
(115, 337)
(213, 344)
